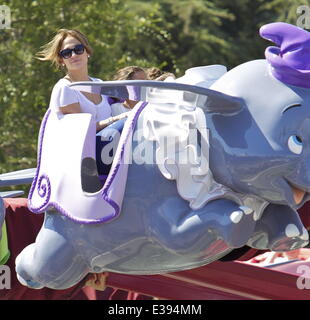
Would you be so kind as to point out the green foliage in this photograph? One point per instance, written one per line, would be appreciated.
(172, 35)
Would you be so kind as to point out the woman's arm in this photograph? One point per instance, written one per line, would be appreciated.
(71, 108)
(75, 108)
(104, 123)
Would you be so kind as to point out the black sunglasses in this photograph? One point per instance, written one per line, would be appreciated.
(67, 53)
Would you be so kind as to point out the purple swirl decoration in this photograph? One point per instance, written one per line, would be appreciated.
(44, 190)
(44, 186)
(290, 60)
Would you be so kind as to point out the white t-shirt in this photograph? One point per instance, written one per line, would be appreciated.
(118, 108)
(63, 95)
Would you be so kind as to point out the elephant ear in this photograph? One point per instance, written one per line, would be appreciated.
(224, 104)
(15, 178)
(164, 92)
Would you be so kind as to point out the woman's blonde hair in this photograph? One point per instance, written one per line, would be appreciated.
(50, 51)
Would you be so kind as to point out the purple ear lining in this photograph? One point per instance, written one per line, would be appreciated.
(290, 62)
(284, 73)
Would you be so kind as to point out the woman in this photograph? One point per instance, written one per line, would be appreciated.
(69, 49)
(127, 73)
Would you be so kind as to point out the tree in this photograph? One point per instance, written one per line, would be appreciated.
(172, 35)
(27, 82)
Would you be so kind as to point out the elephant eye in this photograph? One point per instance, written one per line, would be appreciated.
(295, 144)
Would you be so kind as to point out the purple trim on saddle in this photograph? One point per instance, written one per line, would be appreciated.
(42, 192)
(58, 207)
(290, 61)
(119, 161)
